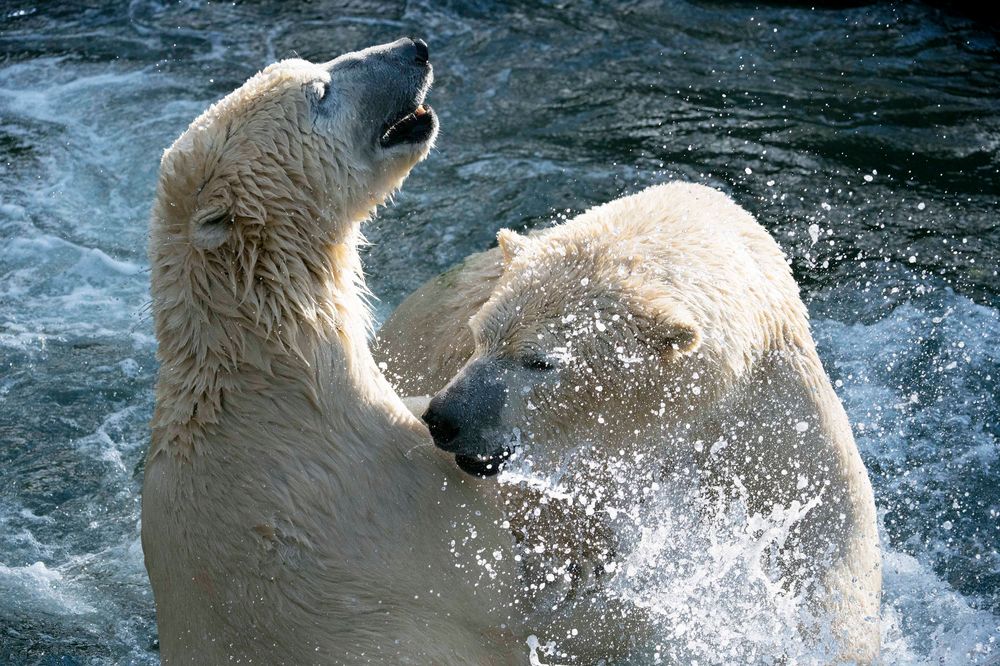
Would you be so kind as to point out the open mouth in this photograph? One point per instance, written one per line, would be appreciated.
(417, 126)
(483, 466)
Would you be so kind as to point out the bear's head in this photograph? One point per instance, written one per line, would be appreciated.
(300, 149)
(256, 223)
(586, 337)
(255, 226)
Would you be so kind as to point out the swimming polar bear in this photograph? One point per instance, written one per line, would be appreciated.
(293, 511)
(660, 331)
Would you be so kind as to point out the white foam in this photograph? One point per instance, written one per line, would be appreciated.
(924, 621)
(73, 212)
(41, 589)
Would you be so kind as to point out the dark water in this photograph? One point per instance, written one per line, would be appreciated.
(866, 139)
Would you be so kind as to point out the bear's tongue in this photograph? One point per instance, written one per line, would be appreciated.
(413, 127)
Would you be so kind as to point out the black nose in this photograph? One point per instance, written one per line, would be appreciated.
(443, 427)
(422, 54)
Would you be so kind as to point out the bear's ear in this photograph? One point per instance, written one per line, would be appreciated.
(675, 330)
(211, 226)
(511, 244)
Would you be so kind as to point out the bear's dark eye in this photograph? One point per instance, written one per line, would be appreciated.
(218, 220)
(538, 363)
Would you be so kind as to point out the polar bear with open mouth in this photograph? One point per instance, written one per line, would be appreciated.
(293, 510)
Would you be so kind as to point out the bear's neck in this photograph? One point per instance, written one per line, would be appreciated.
(296, 330)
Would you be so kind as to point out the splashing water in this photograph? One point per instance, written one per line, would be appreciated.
(703, 573)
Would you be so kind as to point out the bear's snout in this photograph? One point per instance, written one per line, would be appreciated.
(464, 419)
(442, 424)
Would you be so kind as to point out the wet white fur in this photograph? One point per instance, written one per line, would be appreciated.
(733, 396)
(293, 510)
